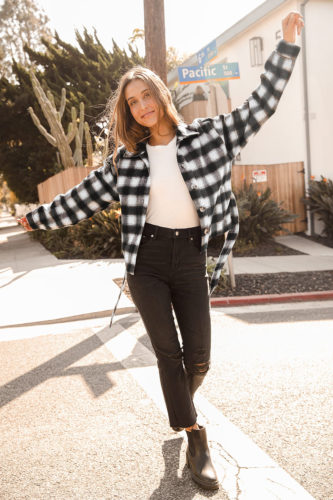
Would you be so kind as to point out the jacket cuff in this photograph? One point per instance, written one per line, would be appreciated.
(31, 221)
(288, 49)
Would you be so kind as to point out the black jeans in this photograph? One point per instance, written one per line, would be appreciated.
(170, 272)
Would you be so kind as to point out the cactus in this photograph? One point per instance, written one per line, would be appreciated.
(101, 149)
(78, 160)
(57, 137)
(88, 145)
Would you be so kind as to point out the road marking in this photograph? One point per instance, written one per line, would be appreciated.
(244, 470)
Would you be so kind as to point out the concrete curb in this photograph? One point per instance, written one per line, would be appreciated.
(77, 317)
(270, 298)
(214, 302)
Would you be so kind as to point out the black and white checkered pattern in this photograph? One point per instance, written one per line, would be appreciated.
(205, 151)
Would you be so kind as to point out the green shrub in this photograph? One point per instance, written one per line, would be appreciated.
(259, 216)
(96, 237)
(223, 283)
(320, 201)
(243, 247)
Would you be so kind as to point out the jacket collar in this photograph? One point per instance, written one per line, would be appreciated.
(182, 132)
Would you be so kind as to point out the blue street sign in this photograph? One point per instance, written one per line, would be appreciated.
(207, 53)
(194, 74)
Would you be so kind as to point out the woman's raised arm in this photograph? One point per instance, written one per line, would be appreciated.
(244, 121)
(93, 194)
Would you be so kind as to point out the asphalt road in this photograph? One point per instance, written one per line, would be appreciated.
(82, 414)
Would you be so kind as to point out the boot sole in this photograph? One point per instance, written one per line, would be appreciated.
(203, 484)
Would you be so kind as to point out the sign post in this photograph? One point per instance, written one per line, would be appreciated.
(231, 271)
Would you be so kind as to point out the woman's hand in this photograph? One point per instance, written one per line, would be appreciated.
(293, 20)
(23, 221)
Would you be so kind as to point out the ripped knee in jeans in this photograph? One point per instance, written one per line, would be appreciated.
(199, 368)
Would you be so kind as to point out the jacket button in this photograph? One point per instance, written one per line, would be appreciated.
(194, 186)
(202, 209)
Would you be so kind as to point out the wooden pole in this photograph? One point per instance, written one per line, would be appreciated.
(155, 37)
(231, 269)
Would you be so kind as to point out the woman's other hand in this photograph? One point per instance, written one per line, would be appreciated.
(23, 221)
(293, 20)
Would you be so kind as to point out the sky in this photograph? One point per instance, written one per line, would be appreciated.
(189, 24)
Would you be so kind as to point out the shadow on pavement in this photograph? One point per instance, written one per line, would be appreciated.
(94, 375)
(182, 487)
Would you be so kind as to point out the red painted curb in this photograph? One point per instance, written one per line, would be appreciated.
(266, 299)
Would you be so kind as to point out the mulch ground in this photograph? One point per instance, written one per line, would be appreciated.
(277, 283)
(273, 283)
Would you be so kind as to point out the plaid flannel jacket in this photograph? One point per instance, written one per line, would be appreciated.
(205, 152)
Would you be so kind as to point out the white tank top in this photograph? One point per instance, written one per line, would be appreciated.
(170, 203)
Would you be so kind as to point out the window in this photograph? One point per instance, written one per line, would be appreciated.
(278, 35)
(256, 51)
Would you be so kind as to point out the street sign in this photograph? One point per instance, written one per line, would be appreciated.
(207, 53)
(195, 74)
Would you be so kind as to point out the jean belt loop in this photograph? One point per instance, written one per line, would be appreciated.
(155, 232)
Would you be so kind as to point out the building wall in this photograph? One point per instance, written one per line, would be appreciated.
(281, 138)
(319, 49)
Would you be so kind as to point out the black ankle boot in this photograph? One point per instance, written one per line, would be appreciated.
(199, 461)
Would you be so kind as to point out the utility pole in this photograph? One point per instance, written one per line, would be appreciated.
(155, 37)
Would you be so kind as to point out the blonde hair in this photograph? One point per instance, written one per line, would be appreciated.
(123, 128)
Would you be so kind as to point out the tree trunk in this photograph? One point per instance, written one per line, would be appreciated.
(155, 37)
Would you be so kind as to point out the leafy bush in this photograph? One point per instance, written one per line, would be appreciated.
(259, 216)
(242, 247)
(320, 201)
(93, 238)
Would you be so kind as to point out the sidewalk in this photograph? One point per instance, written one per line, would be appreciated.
(36, 287)
(318, 258)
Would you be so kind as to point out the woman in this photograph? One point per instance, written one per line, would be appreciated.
(173, 183)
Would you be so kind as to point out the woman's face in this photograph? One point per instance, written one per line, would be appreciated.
(142, 103)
